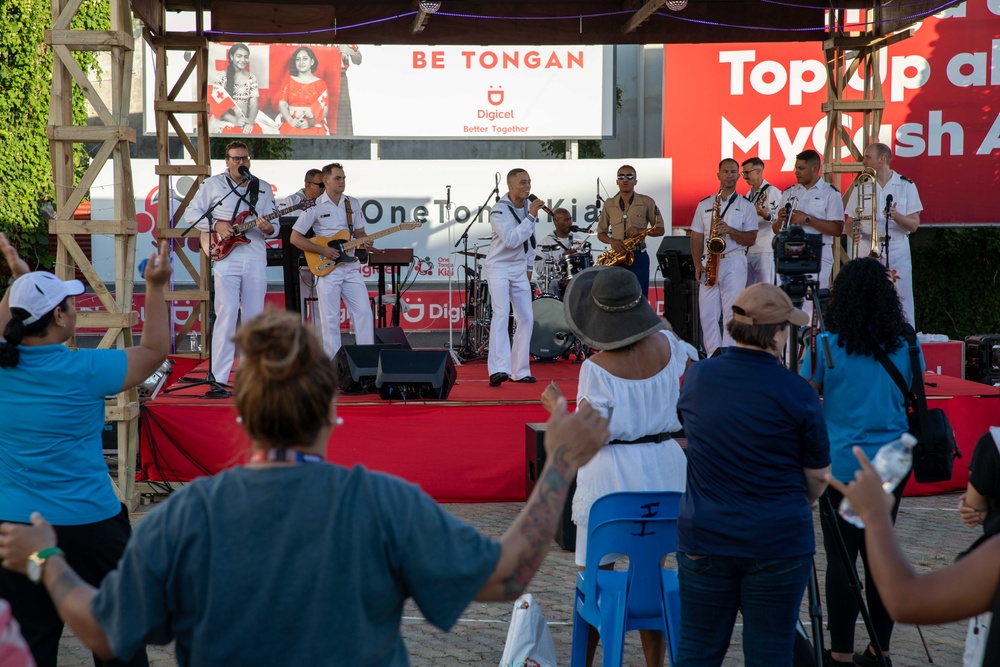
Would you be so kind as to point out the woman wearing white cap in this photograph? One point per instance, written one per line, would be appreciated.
(51, 418)
(634, 379)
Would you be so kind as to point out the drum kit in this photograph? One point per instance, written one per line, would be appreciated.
(551, 336)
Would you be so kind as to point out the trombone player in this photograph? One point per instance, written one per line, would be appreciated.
(894, 197)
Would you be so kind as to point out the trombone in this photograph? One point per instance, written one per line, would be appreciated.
(865, 212)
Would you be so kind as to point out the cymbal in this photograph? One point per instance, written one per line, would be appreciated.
(470, 253)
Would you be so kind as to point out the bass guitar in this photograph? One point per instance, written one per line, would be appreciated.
(244, 222)
(342, 241)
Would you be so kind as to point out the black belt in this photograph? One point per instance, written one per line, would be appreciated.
(659, 437)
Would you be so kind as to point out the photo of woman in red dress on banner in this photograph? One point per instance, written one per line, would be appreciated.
(234, 99)
(304, 98)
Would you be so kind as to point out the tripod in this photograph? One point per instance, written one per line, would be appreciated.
(796, 288)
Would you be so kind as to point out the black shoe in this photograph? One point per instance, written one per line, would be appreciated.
(868, 659)
(498, 378)
(527, 379)
(828, 661)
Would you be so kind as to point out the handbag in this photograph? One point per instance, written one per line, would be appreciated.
(936, 450)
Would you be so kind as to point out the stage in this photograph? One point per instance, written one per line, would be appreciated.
(469, 448)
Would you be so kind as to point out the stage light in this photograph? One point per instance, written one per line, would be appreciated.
(429, 6)
(676, 5)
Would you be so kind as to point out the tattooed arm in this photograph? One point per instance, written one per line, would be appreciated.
(70, 594)
(570, 441)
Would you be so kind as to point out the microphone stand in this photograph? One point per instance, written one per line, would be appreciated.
(215, 389)
(471, 349)
(451, 288)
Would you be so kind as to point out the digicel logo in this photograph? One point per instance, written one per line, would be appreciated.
(495, 97)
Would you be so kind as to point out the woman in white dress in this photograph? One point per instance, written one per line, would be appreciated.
(634, 380)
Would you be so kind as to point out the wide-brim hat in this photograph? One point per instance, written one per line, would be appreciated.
(39, 292)
(606, 310)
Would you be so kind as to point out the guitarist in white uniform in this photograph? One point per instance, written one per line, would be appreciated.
(336, 212)
(240, 278)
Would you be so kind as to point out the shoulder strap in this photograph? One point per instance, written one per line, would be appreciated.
(894, 373)
(919, 397)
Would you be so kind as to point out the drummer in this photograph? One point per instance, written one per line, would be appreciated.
(553, 247)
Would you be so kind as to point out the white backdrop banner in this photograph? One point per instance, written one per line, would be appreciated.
(394, 191)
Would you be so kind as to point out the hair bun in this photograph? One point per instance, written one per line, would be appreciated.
(277, 346)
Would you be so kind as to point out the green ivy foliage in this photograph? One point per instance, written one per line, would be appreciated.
(956, 281)
(25, 87)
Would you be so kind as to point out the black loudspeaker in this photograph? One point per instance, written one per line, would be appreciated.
(393, 336)
(982, 358)
(680, 291)
(534, 454)
(415, 374)
(674, 257)
(357, 365)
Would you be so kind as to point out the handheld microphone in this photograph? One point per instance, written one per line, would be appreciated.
(496, 188)
(788, 214)
(888, 206)
(245, 171)
(544, 207)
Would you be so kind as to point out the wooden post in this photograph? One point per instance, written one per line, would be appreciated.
(114, 136)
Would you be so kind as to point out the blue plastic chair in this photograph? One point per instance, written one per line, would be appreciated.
(642, 526)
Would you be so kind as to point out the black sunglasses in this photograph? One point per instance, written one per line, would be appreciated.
(319, 185)
(626, 177)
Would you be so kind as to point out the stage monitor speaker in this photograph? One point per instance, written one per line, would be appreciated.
(415, 374)
(394, 336)
(534, 454)
(357, 365)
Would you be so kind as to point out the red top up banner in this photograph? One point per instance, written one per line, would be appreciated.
(941, 119)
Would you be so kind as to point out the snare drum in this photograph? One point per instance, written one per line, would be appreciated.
(575, 262)
(550, 335)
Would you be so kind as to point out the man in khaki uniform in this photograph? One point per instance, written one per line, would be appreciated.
(626, 215)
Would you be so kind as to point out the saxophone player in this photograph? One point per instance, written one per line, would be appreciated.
(625, 216)
(733, 219)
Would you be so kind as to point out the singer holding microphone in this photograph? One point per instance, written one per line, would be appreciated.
(508, 267)
(898, 204)
(240, 279)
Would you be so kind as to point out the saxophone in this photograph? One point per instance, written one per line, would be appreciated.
(612, 257)
(716, 245)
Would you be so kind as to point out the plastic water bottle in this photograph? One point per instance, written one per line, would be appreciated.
(892, 462)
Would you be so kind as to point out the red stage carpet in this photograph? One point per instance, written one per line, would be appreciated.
(470, 448)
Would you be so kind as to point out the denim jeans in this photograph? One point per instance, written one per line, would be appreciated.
(768, 592)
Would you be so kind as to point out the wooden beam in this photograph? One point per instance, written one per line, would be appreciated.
(93, 227)
(90, 40)
(184, 170)
(106, 320)
(644, 12)
(178, 41)
(90, 133)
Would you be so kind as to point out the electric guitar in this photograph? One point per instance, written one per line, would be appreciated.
(220, 248)
(320, 265)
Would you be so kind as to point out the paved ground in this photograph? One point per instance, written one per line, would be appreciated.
(928, 528)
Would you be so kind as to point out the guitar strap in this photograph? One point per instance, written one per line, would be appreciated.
(360, 252)
(249, 197)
